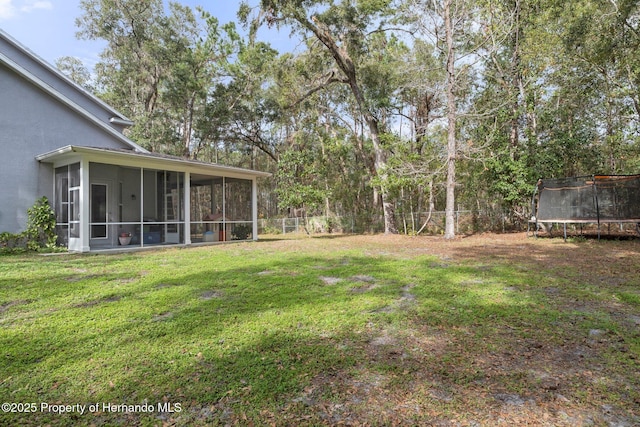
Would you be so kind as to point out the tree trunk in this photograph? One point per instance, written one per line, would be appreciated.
(516, 84)
(449, 228)
(346, 65)
(188, 126)
(381, 169)
(432, 206)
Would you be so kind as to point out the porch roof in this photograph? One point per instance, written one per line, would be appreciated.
(123, 157)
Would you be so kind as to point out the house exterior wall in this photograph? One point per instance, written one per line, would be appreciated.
(32, 122)
(47, 122)
(57, 81)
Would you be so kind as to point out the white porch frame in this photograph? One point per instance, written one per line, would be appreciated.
(146, 161)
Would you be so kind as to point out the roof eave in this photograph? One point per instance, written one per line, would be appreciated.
(153, 161)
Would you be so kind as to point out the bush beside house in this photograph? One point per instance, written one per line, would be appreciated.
(40, 232)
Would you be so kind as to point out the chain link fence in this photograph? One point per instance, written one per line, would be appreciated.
(466, 221)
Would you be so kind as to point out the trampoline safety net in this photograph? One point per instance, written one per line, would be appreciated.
(594, 198)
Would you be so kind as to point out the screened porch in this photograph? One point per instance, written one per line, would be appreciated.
(131, 206)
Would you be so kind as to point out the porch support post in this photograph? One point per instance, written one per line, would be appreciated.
(224, 236)
(141, 237)
(187, 208)
(254, 207)
(85, 214)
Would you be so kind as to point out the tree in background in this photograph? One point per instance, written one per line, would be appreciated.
(342, 29)
(386, 109)
(157, 68)
(76, 71)
(452, 27)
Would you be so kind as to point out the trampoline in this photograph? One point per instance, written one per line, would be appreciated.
(593, 199)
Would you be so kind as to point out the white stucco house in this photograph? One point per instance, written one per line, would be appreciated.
(60, 141)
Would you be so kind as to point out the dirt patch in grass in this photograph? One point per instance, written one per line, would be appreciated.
(211, 294)
(362, 278)
(564, 373)
(530, 384)
(328, 280)
(98, 301)
(163, 316)
(265, 273)
(366, 287)
(6, 306)
(486, 330)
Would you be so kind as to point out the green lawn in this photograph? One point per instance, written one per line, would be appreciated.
(355, 330)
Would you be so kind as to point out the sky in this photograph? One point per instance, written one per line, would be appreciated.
(47, 27)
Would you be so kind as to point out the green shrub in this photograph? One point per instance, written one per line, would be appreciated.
(241, 232)
(10, 243)
(41, 225)
(268, 229)
(40, 232)
(331, 224)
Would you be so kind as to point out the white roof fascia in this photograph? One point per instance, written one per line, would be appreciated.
(69, 103)
(62, 76)
(148, 160)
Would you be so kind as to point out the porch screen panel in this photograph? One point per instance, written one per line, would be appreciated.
(171, 192)
(217, 218)
(238, 199)
(74, 175)
(162, 207)
(62, 204)
(150, 196)
(172, 206)
(238, 205)
(217, 198)
(200, 196)
(74, 212)
(98, 211)
(74, 200)
(201, 201)
(62, 195)
(206, 208)
(129, 197)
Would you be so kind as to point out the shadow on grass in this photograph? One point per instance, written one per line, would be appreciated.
(273, 340)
